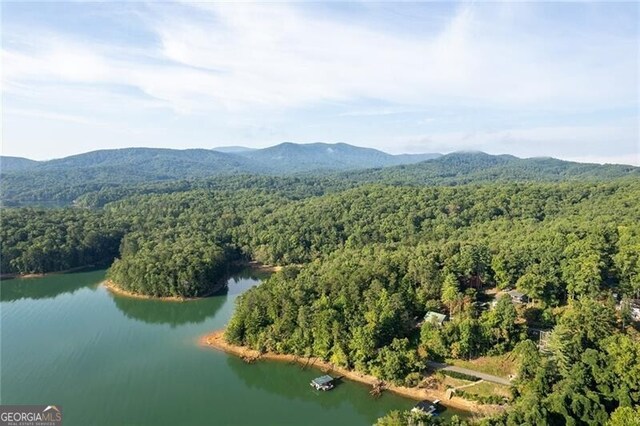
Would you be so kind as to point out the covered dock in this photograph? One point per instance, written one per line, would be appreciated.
(427, 407)
(324, 383)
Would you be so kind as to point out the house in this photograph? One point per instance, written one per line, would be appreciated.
(426, 407)
(518, 297)
(324, 383)
(435, 318)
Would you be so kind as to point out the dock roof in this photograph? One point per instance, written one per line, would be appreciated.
(426, 406)
(323, 380)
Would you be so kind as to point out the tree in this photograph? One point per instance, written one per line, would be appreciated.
(475, 261)
(500, 326)
(625, 416)
(618, 369)
(467, 338)
(450, 291)
(432, 341)
(627, 260)
(582, 326)
(583, 267)
(529, 357)
(395, 362)
(535, 283)
(409, 418)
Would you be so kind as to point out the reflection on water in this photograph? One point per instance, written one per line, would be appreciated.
(169, 312)
(176, 313)
(291, 380)
(248, 273)
(49, 286)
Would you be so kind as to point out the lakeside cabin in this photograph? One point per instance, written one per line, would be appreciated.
(323, 383)
(426, 407)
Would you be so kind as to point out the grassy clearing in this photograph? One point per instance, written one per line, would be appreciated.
(487, 389)
(450, 382)
(501, 366)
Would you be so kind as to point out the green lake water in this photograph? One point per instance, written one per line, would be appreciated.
(108, 360)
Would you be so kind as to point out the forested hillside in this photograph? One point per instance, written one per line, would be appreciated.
(290, 157)
(36, 241)
(12, 164)
(61, 181)
(462, 168)
(68, 180)
(365, 262)
(396, 253)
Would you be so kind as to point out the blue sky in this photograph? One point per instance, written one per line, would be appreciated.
(529, 79)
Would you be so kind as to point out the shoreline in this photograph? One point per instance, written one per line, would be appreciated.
(116, 289)
(18, 276)
(216, 340)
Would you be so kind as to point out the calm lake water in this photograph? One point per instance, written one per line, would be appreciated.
(108, 360)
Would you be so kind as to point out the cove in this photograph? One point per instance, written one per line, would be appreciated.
(108, 359)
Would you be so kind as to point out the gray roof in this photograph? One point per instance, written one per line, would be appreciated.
(426, 406)
(516, 293)
(435, 316)
(323, 380)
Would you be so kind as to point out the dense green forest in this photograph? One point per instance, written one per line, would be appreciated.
(170, 263)
(37, 241)
(364, 262)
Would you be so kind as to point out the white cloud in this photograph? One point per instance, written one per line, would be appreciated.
(632, 159)
(47, 115)
(280, 55)
(255, 72)
(374, 111)
(276, 55)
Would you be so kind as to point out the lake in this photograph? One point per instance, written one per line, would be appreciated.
(108, 359)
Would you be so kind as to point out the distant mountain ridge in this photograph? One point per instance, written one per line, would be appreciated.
(460, 168)
(233, 149)
(324, 156)
(286, 157)
(151, 159)
(63, 180)
(16, 163)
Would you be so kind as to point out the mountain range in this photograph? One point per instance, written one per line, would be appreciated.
(61, 181)
(279, 159)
